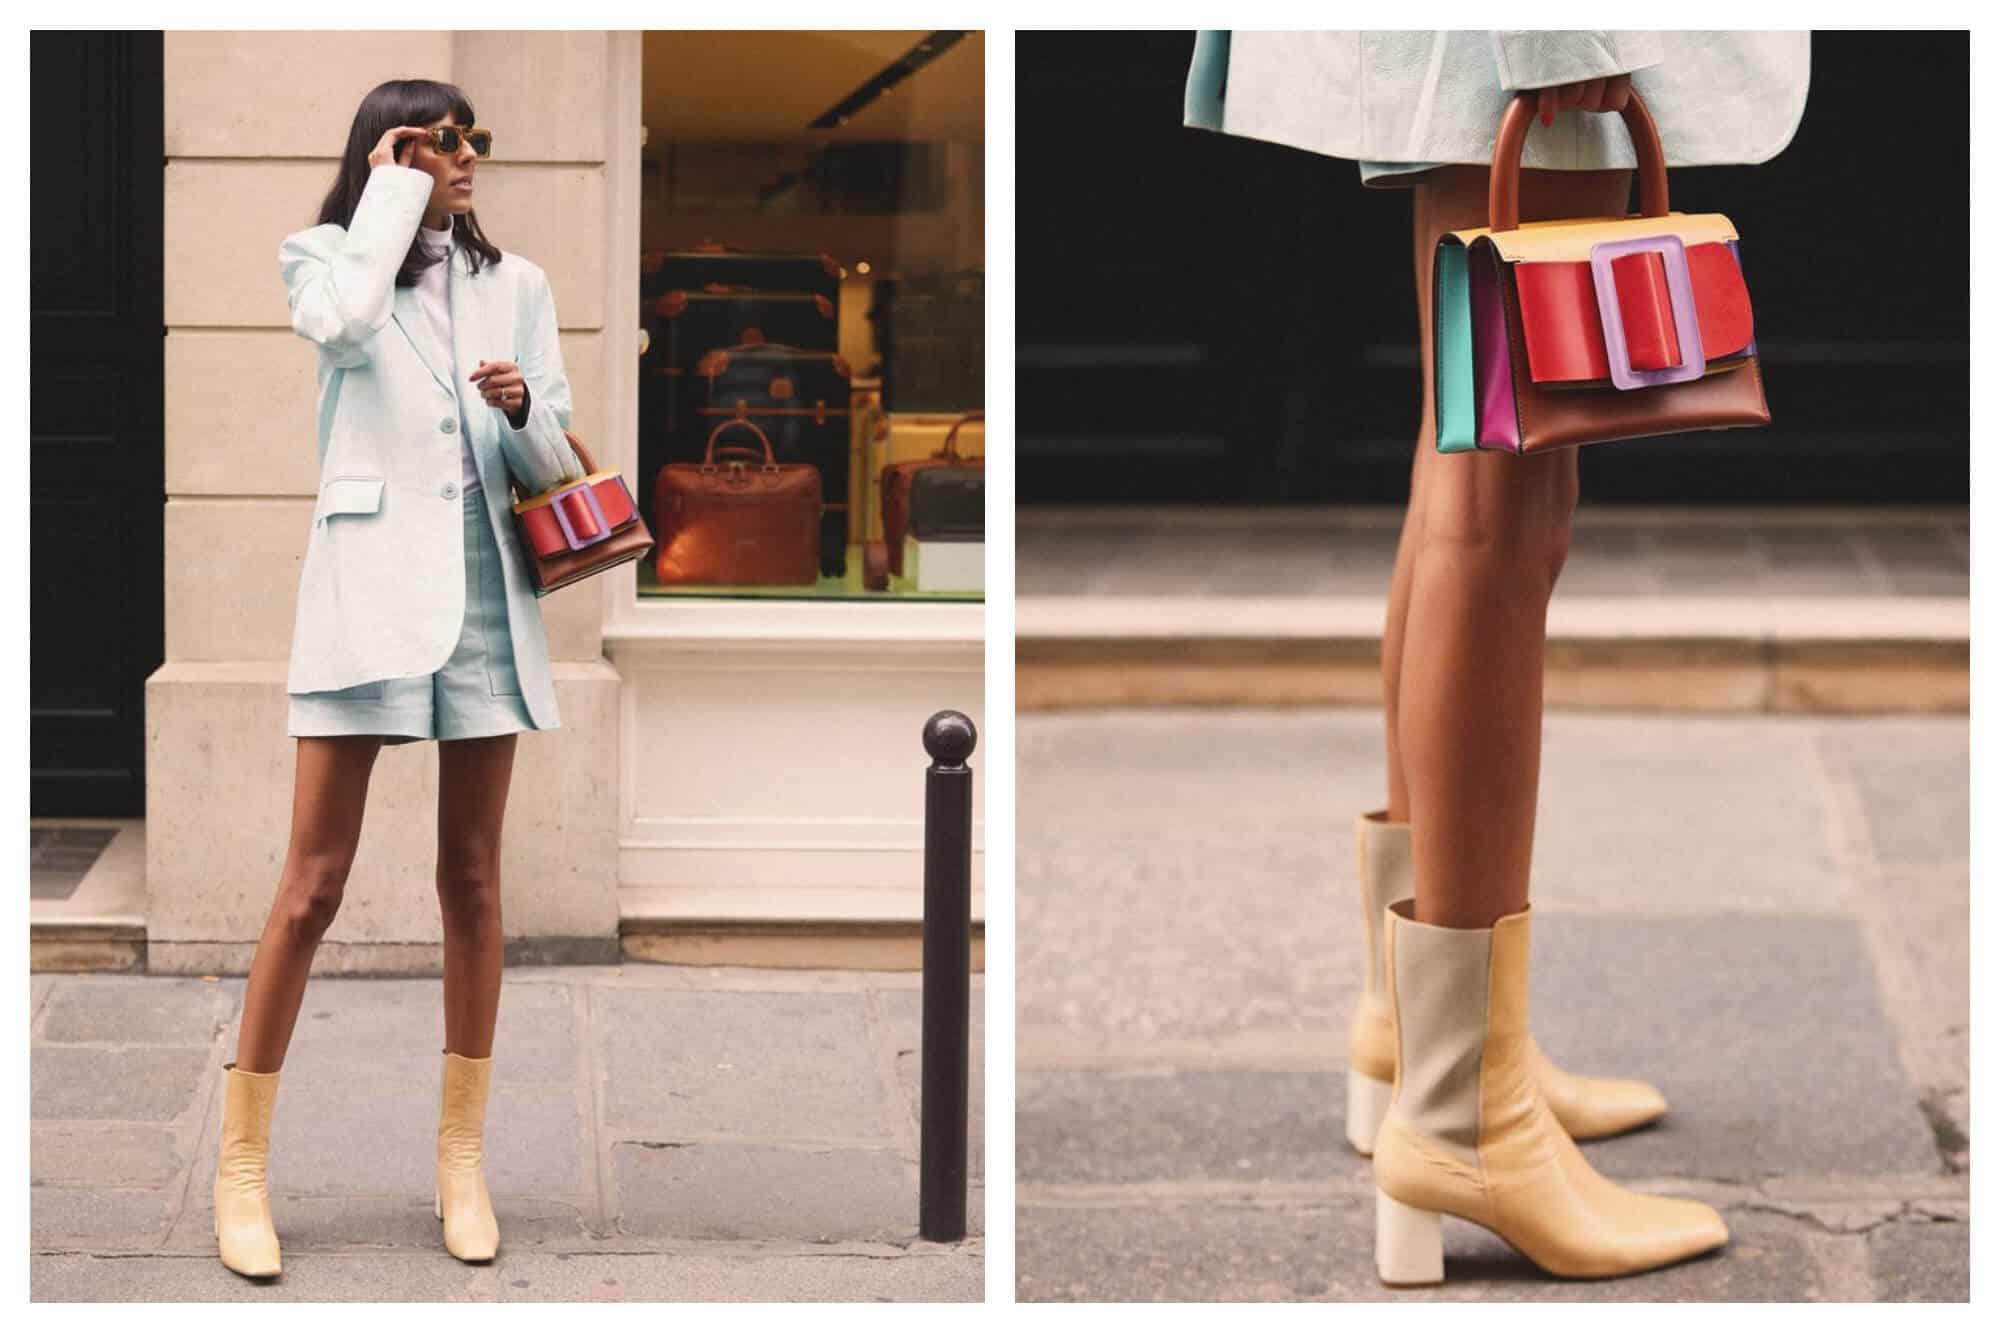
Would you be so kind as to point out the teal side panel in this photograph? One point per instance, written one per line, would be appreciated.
(1451, 314)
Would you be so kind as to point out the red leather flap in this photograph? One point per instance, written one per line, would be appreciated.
(1565, 337)
(1648, 312)
(544, 534)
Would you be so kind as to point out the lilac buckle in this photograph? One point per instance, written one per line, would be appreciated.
(577, 543)
(1680, 291)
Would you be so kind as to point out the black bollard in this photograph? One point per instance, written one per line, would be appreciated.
(949, 738)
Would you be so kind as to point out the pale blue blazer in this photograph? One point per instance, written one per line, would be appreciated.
(382, 590)
(1399, 102)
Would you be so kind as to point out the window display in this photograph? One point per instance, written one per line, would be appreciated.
(810, 425)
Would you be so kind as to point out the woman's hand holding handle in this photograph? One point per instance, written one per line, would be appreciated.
(1606, 94)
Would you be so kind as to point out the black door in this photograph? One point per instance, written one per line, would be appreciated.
(97, 464)
(1204, 317)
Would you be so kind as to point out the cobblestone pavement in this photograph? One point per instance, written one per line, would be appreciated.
(653, 1133)
(1766, 916)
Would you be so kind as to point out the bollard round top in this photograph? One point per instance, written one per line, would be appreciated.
(949, 736)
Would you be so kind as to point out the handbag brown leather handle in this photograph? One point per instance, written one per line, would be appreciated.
(1503, 185)
(582, 454)
(708, 455)
(576, 447)
(950, 449)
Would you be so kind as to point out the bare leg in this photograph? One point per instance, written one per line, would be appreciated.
(473, 776)
(1491, 534)
(329, 791)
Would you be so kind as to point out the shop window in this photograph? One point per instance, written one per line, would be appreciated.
(813, 294)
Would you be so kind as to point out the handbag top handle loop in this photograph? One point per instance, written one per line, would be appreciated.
(950, 449)
(708, 457)
(582, 456)
(1503, 186)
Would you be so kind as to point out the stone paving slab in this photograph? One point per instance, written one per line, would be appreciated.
(925, 1274)
(101, 1083)
(1912, 776)
(139, 1011)
(723, 1191)
(694, 1064)
(1217, 1249)
(1921, 1260)
(1134, 1127)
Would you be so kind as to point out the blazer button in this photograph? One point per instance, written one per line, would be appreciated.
(449, 490)
(448, 425)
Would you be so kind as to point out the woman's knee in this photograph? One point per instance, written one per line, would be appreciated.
(311, 895)
(469, 890)
(1496, 502)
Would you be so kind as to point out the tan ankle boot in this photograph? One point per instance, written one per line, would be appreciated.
(1589, 1108)
(1470, 1133)
(243, 1231)
(471, 1232)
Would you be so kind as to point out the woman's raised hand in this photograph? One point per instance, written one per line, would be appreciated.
(385, 147)
(1606, 94)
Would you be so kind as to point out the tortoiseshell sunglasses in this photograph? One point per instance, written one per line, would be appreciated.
(444, 138)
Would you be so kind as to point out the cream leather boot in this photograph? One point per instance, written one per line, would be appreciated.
(471, 1232)
(243, 1230)
(1589, 1108)
(1470, 1133)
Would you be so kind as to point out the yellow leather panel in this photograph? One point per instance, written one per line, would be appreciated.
(1570, 239)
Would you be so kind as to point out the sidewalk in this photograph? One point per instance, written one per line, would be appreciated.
(1753, 610)
(1764, 915)
(654, 1133)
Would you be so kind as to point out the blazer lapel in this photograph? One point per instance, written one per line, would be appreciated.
(408, 312)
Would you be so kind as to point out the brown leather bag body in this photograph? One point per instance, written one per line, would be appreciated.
(900, 479)
(743, 518)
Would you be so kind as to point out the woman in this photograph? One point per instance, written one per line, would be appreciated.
(416, 619)
(1447, 1089)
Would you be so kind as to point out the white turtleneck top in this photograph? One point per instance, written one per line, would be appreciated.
(435, 298)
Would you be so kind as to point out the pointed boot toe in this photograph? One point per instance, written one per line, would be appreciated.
(1594, 1108)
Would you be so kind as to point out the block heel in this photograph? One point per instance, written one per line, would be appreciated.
(1367, 1103)
(1409, 1244)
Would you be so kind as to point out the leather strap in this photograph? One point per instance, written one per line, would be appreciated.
(1503, 186)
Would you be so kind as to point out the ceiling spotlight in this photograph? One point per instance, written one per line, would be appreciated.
(925, 51)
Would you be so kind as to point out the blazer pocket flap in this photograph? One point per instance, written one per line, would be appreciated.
(349, 495)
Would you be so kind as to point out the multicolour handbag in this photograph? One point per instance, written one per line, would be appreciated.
(1555, 334)
(579, 528)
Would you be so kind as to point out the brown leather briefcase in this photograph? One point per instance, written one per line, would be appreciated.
(737, 517)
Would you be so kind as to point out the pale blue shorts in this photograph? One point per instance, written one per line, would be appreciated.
(475, 693)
